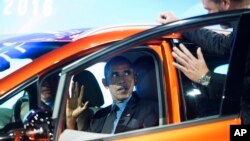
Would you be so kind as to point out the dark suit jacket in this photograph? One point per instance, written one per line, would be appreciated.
(216, 85)
(210, 41)
(137, 114)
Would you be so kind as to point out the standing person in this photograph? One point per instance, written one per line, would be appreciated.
(209, 40)
(127, 112)
(212, 42)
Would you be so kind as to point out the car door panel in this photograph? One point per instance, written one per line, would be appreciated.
(215, 130)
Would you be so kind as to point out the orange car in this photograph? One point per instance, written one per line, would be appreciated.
(186, 112)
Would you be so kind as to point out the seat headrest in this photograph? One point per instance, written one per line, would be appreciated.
(92, 91)
(146, 85)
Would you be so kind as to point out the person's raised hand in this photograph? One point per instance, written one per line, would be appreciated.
(74, 105)
(194, 68)
(167, 17)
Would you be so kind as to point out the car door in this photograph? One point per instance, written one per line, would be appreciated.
(172, 107)
(152, 49)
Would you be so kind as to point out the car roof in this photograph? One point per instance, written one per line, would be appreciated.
(83, 42)
(68, 35)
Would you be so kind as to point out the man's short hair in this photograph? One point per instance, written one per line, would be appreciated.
(114, 60)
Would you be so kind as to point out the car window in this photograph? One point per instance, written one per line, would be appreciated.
(16, 107)
(47, 90)
(7, 109)
(99, 96)
(199, 100)
(10, 103)
(97, 70)
(222, 69)
(145, 71)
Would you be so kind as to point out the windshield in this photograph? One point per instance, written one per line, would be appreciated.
(16, 55)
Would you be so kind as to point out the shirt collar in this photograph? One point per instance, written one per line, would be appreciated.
(123, 103)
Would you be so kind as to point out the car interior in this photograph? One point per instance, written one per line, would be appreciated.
(92, 94)
(145, 70)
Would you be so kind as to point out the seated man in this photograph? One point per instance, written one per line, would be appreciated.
(48, 92)
(128, 112)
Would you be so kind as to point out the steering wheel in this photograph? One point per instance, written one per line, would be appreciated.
(18, 108)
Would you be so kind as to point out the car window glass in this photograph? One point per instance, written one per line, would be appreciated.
(48, 88)
(97, 70)
(99, 96)
(10, 103)
(201, 101)
(16, 108)
(222, 69)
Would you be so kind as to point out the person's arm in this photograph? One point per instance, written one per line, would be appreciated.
(207, 39)
(216, 85)
(75, 106)
(197, 71)
(210, 41)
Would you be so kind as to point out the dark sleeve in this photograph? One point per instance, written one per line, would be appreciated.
(83, 121)
(245, 108)
(245, 100)
(98, 119)
(210, 41)
(216, 85)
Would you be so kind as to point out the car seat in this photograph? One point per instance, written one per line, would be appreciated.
(146, 85)
(92, 94)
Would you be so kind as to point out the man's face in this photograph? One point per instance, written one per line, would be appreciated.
(213, 7)
(120, 80)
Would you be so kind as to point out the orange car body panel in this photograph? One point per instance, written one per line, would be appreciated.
(190, 133)
(172, 85)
